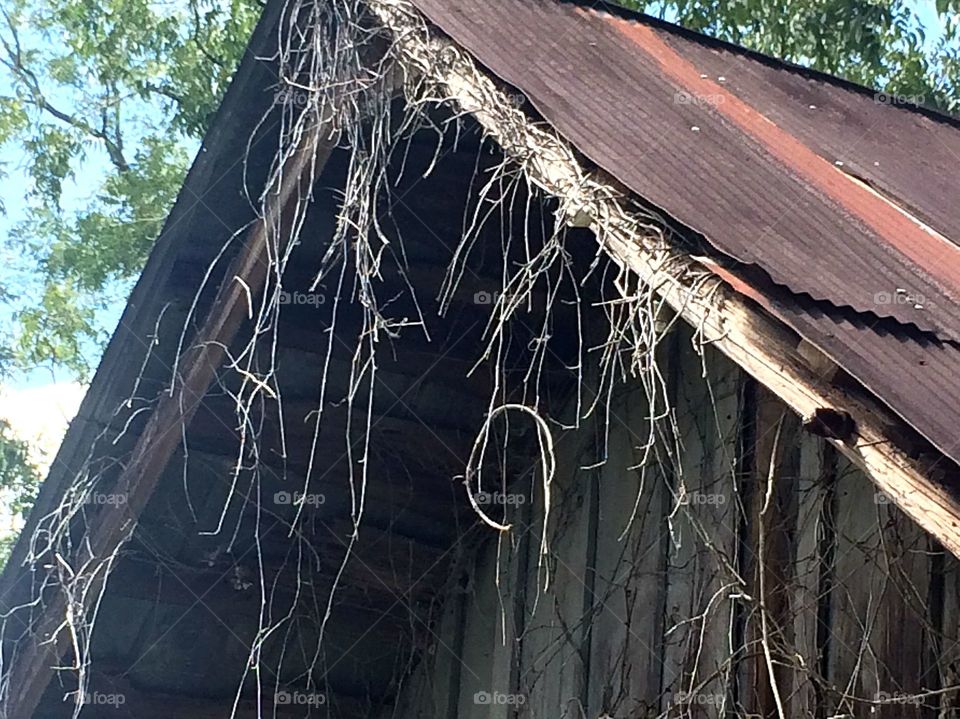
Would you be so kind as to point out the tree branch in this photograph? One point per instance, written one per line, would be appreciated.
(165, 92)
(14, 62)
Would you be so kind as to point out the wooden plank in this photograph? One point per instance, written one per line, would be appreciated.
(432, 691)
(396, 501)
(626, 636)
(698, 674)
(856, 596)
(948, 651)
(880, 632)
(554, 654)
(813, 537)
(480, 642)
(769, 560)
(903, 649)
(41, 651)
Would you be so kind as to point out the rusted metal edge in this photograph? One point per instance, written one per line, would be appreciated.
(804, 71)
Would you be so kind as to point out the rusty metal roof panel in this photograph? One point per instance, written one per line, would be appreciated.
(910, 156)
(645, 104)
(912, 372)
(845, 200)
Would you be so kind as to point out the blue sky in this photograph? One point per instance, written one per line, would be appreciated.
(927, 13)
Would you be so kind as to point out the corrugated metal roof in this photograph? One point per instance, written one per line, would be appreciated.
(837, 195)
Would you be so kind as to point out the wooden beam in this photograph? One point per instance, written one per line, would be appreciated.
(40, 652)
(749, 336)
(776, 434)
(441, 449)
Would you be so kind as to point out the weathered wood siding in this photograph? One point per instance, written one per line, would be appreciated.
(814, 597)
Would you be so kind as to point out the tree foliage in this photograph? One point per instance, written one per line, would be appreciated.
(103, 101)
(19, 480)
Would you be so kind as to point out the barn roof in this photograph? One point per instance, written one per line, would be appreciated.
(836, 204)
(740, 154)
